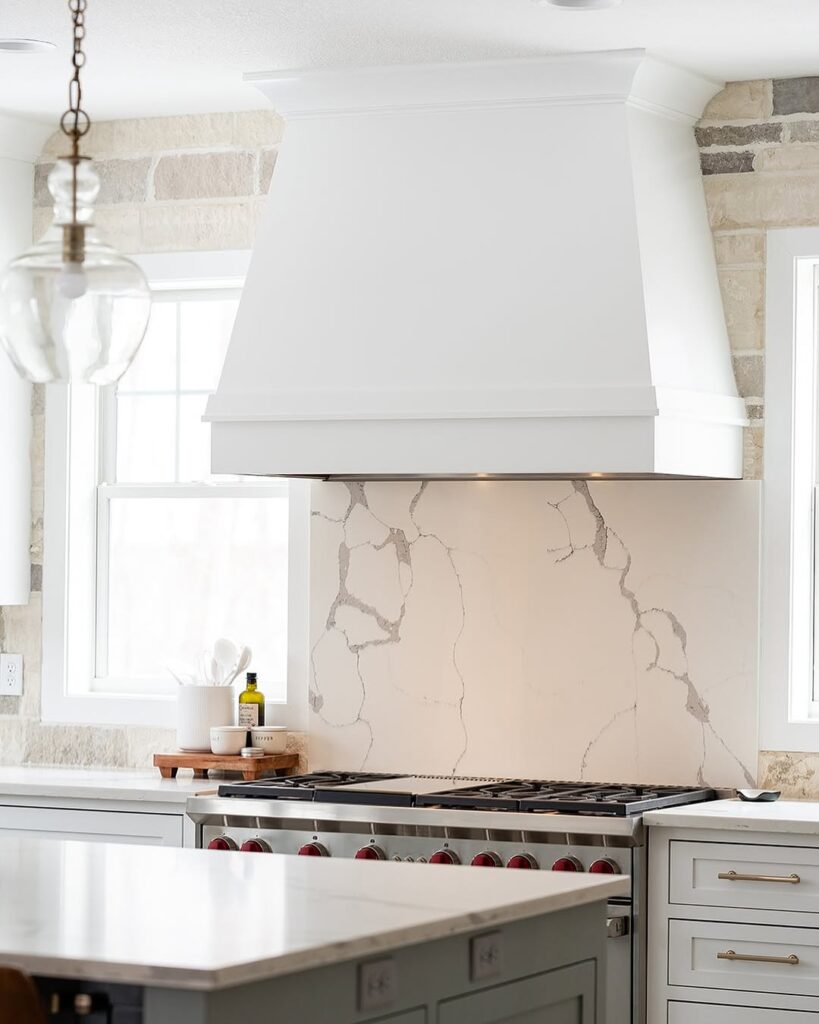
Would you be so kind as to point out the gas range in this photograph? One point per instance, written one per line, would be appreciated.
(524, 824)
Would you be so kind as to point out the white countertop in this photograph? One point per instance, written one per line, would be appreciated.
(200, 919)
(796, 816)
(101, 784)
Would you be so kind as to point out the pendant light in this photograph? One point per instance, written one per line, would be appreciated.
(71, 307)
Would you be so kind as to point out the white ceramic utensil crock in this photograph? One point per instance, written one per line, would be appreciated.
(198, 709)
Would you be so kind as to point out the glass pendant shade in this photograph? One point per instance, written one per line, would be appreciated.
(71, 307)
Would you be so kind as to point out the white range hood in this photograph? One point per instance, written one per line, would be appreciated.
(500, 269)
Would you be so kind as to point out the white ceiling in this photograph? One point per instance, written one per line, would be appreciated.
(148, 57)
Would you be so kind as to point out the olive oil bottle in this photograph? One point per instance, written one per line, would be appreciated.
(251, 703)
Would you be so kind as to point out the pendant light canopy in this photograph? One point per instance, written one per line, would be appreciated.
(72, 307)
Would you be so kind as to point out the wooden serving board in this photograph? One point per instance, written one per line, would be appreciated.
(250, 767)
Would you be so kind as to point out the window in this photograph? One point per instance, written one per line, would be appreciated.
(158, 557)
(789, 655)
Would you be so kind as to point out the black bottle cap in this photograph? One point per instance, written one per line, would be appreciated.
(251, 677)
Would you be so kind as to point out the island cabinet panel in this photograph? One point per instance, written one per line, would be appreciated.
(702, 1013)
(564, 996)
(92, 825)
(745, 875)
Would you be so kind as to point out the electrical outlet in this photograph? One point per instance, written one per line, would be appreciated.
(11, 675)
(377, 984)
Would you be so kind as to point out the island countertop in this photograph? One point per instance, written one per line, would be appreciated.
(197, 919)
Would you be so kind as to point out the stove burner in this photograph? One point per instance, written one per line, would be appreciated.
(299, 787)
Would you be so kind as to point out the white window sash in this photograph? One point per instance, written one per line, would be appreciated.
(789, 715)
(75, 603)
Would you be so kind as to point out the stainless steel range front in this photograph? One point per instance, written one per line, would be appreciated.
(493, 823)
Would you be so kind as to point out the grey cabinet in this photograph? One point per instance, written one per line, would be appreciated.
(410, 1017)
(564, 996)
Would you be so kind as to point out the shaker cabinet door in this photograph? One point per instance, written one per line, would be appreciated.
(563, 996)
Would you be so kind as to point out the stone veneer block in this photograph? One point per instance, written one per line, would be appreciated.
(740, 247)
(266, 167)
(762, 201)
(753, 452)
(800, 156)
(750, 374)
(174, 228)
(795, 96)
(738, 134)
(741, 101)
(245, 129)
(802, 131)
(121, 181)
(743, 299)
(727, 162)
(795, 774)
(204, 176)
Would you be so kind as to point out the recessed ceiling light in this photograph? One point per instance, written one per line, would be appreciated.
(26, 45)
(580, 5)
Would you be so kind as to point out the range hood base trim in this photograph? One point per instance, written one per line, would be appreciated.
(570, 448)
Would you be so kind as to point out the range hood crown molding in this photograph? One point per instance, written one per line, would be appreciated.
(500, 268)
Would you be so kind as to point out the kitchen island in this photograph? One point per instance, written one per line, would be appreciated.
(174, 935)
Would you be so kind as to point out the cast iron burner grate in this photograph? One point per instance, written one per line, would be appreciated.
(299, 787)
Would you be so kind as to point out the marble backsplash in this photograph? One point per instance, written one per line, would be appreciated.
(552, 629)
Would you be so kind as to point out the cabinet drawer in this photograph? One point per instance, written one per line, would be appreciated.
(742, 875)
(710, 1013)
(92, 826)
(693, 948)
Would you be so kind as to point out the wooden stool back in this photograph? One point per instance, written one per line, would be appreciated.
(19, 1001)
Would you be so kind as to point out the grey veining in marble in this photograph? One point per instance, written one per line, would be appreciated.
(564, 629)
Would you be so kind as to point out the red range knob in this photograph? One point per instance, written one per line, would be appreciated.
(444, 857)
(522, 860)
(487, 859)
(605, 866)
(567, 864)
(222, 843)
(255, 846)
(314, 850)
(370, 853)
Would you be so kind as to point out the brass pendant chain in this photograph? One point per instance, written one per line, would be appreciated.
(75, 123)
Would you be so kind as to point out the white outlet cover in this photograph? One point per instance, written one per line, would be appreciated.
(11, 675)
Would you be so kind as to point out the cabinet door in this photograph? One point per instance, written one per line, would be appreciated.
(564, 996)
(92, 826)
(701, 1013)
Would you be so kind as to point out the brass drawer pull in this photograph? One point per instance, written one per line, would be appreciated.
(734, 876)
(729, 954)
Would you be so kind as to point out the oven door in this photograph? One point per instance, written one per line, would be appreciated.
(618, 964)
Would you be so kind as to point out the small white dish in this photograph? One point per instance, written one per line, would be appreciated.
(227, 740)
(271, 738)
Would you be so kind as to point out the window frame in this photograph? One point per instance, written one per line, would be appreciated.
(73, 416)
(789, 715)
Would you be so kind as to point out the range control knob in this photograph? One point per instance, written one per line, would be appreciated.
(314, 850)
(370, 853)
(222, 843)
(487, 859)
(567, 864)
(444, 857)
(255, 846)
(605, 866)
(522, 860)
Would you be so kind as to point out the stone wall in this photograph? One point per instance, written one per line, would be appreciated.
(167, 184)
